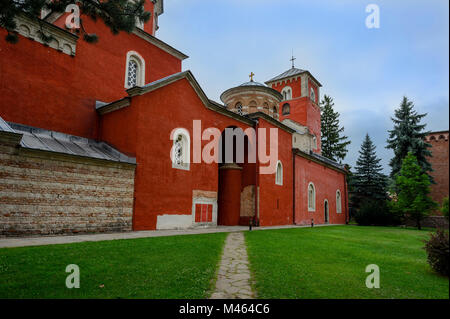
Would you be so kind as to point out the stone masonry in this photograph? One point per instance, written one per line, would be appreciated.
(42, 193)
(233, 280)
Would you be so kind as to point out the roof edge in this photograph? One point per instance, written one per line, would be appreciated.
(271, 120)
(298, 152)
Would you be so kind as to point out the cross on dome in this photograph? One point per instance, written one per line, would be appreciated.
(251, 76)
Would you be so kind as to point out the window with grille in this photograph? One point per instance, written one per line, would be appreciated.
(132, 73)
(135, 70)
(181, 149)
(239, 109)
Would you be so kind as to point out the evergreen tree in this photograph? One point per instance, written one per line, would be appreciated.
(413, 189)
(408, 136)
(334, 144)
(368, 182)
(118, 15)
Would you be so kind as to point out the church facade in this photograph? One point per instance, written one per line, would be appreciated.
(113, 136)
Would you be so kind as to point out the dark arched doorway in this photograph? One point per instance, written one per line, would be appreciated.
(326, 212)
(236, 174)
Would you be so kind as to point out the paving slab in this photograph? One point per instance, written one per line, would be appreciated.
(233, 279)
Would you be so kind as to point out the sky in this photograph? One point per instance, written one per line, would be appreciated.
(366, 71)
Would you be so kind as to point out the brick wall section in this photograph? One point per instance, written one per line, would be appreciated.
(44, 193)
(440, 164)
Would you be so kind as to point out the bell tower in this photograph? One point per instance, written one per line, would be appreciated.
(301, 98)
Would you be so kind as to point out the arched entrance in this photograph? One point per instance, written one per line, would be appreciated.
(235, 177)
(326, 212)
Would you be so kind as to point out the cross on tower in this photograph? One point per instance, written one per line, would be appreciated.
(293, 59)
(251, 76)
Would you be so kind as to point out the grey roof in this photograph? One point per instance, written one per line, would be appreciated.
(252, 83)
(288, 73)
(40, 139)
(4, 127)
(327, 160)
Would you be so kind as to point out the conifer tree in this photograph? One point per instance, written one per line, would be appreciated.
(413, 189)
(368, 182)
(408, 135)
(118, 15)
(334, 143)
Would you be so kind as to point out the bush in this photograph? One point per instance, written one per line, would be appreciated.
(375, 212)
(444, 207)
(438, 252)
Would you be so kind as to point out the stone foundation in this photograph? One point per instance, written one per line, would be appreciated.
(430, 221)
(43, 193)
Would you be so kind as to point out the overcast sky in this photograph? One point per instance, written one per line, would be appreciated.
(366, 71)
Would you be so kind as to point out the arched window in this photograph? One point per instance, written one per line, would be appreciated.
(135, 70)
(287, 93)
(275, 110)
(313, 95)
(311, 197)
(338, 202)
(181, 149)
(239, 108)
(286, 109)
(279, 174)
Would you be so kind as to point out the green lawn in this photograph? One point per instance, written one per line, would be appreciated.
(330, 262)
(164, 267)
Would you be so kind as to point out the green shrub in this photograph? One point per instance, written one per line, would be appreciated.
(444, 207)
(375, 212)
(438, 252)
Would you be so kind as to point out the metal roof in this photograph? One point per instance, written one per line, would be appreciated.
(4, 127)
(252, 83)
(327, 160)
(51, 141)
(288, 73)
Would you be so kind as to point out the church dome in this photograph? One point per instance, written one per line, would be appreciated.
(252, 83)
(251, 97)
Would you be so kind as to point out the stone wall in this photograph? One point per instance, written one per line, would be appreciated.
(430, 221)
(43, 193)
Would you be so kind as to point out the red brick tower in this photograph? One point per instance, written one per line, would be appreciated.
(439, 163)
(301, 96)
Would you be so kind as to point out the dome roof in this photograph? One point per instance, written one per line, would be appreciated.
(252, 83)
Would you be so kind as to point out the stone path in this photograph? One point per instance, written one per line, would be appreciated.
(233, 280)
(10, 242)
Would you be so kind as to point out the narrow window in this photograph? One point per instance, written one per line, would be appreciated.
(313, 95)
(279, 174)
(135, 70)
(311, 197)
(181, 149)
(338, 202)
(132, 73)
(239, 108)
(287, 93)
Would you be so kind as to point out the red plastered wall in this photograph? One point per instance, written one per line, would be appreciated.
(275, 201)
(159, 188)
(42, 87)
(326, 181)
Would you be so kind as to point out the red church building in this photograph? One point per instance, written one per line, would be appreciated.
(111, 136)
